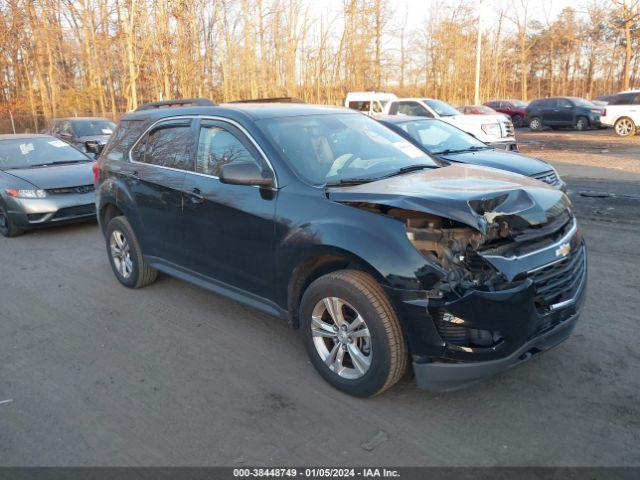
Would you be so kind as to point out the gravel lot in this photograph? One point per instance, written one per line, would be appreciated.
(94, 374)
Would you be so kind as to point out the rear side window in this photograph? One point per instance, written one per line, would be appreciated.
(412, 109)
(167, 145)
(217, 147)
(125, 135)
(625, 99)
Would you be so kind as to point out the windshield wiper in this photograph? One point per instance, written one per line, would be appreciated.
(358, 181)
(59, 162)
(459, 150)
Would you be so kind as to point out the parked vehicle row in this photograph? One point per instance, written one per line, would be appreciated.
(493, 129)
(387, 242)
(87, 134)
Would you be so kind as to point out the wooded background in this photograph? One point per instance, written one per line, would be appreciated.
(104, 57)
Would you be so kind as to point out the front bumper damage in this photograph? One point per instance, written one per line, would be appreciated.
(538, 311)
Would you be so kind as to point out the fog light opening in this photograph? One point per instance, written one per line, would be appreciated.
(452, 330)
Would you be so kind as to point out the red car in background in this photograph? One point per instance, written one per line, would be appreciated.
(477, 110)
(514, 108)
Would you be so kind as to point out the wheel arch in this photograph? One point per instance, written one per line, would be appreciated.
(314, 266)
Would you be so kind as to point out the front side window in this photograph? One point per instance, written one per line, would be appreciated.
(217, 147)
(562, 103)
(440, 137)
(342, 147)
(360, 106)
(167, 145)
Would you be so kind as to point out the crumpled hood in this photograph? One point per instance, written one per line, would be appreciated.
(474, 196)
(56, 176)
(501, 159)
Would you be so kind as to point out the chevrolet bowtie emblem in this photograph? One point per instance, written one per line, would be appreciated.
(563, 250)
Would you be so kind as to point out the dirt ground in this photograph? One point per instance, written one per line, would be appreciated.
(594, 148)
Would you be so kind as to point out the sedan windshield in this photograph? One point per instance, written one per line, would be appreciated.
(341, 148)
(440, 137)
(441, 108)
(36, 152)
(87, 128)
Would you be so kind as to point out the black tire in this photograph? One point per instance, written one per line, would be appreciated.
(388, 347)
(516, 120)
(535, 124)
(8, 227)
(141, 274)
(582, 123)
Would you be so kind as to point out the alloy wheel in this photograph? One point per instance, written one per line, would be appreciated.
(534, 124)
(121, 253)
(581, 124)
(341, 337)
(624, 127)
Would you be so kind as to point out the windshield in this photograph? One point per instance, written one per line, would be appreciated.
(87, 128)
(518, 103)
(441, 108)
(37, 151)
(333, 148)
(440, 137)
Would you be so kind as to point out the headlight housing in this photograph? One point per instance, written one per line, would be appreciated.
(20, 193)
(491, 129)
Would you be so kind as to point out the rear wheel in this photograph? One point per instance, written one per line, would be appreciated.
(535, 123)
(624, 127)
(352, 334)
(582, 123)
(125, 255)
(7, 226)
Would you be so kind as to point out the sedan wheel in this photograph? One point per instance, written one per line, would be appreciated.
(7, 227)
(582, 124)
(535, 124)
(121, 254)
(341, 338)
(624, 127)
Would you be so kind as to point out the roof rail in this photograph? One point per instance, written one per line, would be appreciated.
(271, 100)
(180, 102)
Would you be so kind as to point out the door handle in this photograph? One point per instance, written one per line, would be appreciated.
(195, 196)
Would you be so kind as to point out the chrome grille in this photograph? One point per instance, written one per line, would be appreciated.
(70, 190)
(560, 281)
(508, 130)
(549, 177)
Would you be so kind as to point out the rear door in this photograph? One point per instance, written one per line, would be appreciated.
(564, 112)
(229, 228)
(160, 160)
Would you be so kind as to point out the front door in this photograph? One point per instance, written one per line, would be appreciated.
(160, 161)
(564, 112)
(229, 228)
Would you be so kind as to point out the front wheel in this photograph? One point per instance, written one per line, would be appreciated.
(624, 127)
(352, 334)
(535, 124)
(7, 226)
(125, 255)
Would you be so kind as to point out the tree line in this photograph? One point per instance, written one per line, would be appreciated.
(104, 57)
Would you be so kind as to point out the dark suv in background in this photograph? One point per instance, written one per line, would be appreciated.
(328, 219)
(514, 108)
(562, 112)
(87, 134)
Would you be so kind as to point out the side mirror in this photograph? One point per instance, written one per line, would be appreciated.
(245, 173)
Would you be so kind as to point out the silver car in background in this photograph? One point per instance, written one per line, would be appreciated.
(43, 181)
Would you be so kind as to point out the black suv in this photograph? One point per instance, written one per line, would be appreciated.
(331, 221)
(562, 112)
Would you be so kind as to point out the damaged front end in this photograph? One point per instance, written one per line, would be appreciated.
(503, 278)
